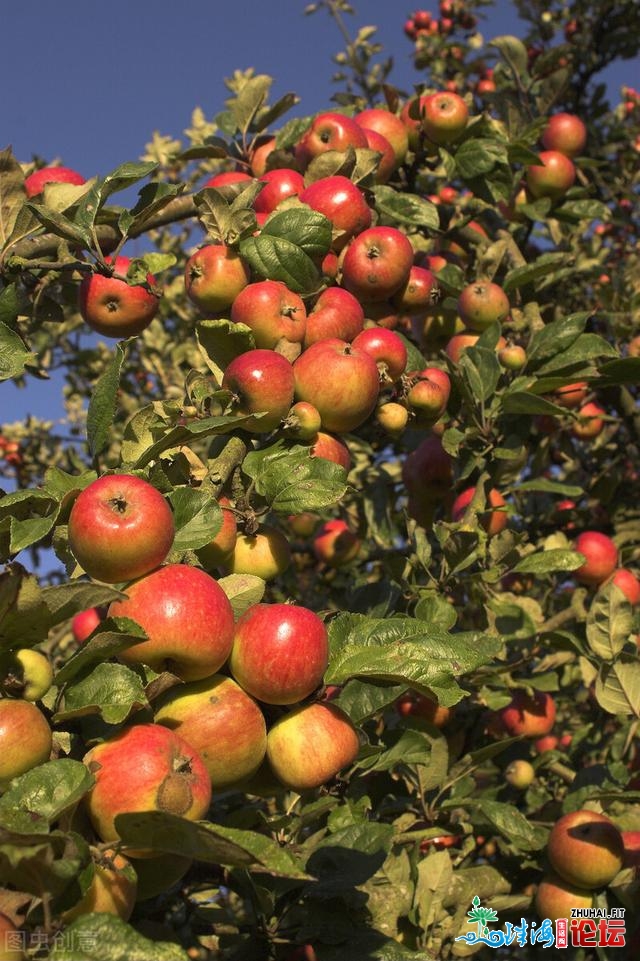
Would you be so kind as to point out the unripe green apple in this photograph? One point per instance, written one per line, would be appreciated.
(25, 738)
(520, 774)
(586, 849)
(26, 673)
(309, 746)
(266, 554)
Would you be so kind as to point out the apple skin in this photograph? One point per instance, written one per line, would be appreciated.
(512, 357)
(520, 774)
(279, 184)
(272, 311)
(335, 544)
(25, 738)
(263, 383)
(309, 746)
(25, 673)
(631, 842)
(529, 715)
(222, 723)
(113, 889)
(145, 768)
(592, 424)
(565, 132)
(553, 177)
(341, 381)
(482, 304)
(303, 421)
(571, 395)
(331, 448)
(494, 521)
(227, 177)
(214, 276)
(628, 583)
(336, 313)
(188, 620)
(328, 131)
(35, 183)
(419, 292)
(392, 418)
(377, 263)
(342, 203)
(266, 554)
(586, 849)
(390, 126)
(113, 307)
(280, 652)
(444, 116)
(555, 897)
(418, 705)
(427, 471)
(387, 161)
(260, 155)
(120, 527)
(601, 558)
(7, 929)
(459, 343)
(84, 624)
(218, 550)
(387, 349)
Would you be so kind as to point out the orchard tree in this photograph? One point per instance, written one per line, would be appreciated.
(338, 657)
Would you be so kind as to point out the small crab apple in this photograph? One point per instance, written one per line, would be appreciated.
(377, 263)
(586, 849)
(145, 767)
(266, 554)
(340, 380)
(214, 276)
(341, 202)
(482, 304)
(494, 519)
(601, 557)
(551, 178)
(590, 421)
(113, 307)
(512, 357)
(336, 313)
(310, 745)
(272, 311)
(328, 131)
(280, 652)
(303, 421)
(390, 126)
(444, 117)
(571, 395)
(25, 738)
(520, 774)
(565, 132)
(335, 544)
(35, 183)
(531, 715)
(628, 583)
(261, 382)
(280, 183)
(120, 527)
(25, 673)
(386, 347)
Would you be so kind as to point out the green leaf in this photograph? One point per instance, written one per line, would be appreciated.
(125, 175)
(524, 402)
(42, 862)
(436, 611)
(623, 371)
(617, 685)
(153, 198)
(291, 131)
(554, 338)
(24, 617)
(211, 843)
(479, 156)
(243, 591)
(14, 356)
(197, 517)
(406, 208)
(542, 266)
(111, 690)
(113, 635)
(56, 223)
(292, 480)
(221, 341)
(510, 823)
(308, 229)
(409, 747)
(584, 348)
(102, 406)
(513, 52)
(548, 561)
(574, 211)
(362, 699)
(105, 937)
(12, 193)
(65, 600)
(28, 516)
(277, 258)
(481, 368)
(49, 789)
(545, 485)
(249, 100)
(609, 622)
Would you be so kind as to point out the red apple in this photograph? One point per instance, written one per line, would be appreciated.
(390, 126)
(555, 898)
(427, 471)
(188, 620)
(280, 652)
(263, 147)
(342, 203)
(331, 448)
(272, 311)
(571, 395)
(341, 381)
(387, 162)
(227, 177)
(280, 183)
(336, 313)
(328, 131)
(565, 132)
(418, 705)
(385, 347)
(459, 343)
(145, 768)
(114, 308)
(261, 382)
(529, 715)
(377, 263)
(628, 583)
(310, 745)
(601, 557)
(590, 423)
(25, 738)
(218, 550)
(586, 849)
(84, 623)
(482, 304)
(120, 527)
(444, 117)
(266, 554)
(494, 521)
(335, 544)
(553, 177)
(214, 276)
(419, 293)
(222, 723)
(631, 842)
(35, 183)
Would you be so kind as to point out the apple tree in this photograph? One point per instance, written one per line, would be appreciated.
(319, 614)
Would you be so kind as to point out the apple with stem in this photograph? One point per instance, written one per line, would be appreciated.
(214, 276)
(340, 380)
(444, 116)
(387, 348)
(328, 131)
(377, 263)
(335, 314)
(272, 311)
(113, 307)
(261, 382)
(265, 553)
(482, 304)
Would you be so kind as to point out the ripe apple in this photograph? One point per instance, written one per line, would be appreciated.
(553, 177)
(120, 527)
(590, 422)
(145, 768)
(494, 521)
(520, 774)
(336, 313)
(628, 583)
(565, 132)
(262, 382)
(272, 311)
(84, 623)
(427, 471)
(410, 115)
(328, 131)
(529, 715)
(586, 849)
(280, 652)
(113, 889)
(459, 343)
(601, 557)
(10, 940)
(113, 307)
(418, 705)
(387, 161)
(214, 276)
(340, 380)
(512, 357)
(428, 393)
(303, 421)
(25, 738)
(555, 898)
(188, 620)
(280, 183)
(310, 745)
(217, 551)
(266, 554)
(335, 544)
(25, 673)
(227, 177)
(35, 183)
(482, 304)
(262, 147)
(331, 448)
(342, 203)
(571, 395)
(547, 743)
(393, 418)
(390, 126)
(386, 348)
(418, 294)
(631, 842)
(222, 723)
(377, 263)
(444, 116)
